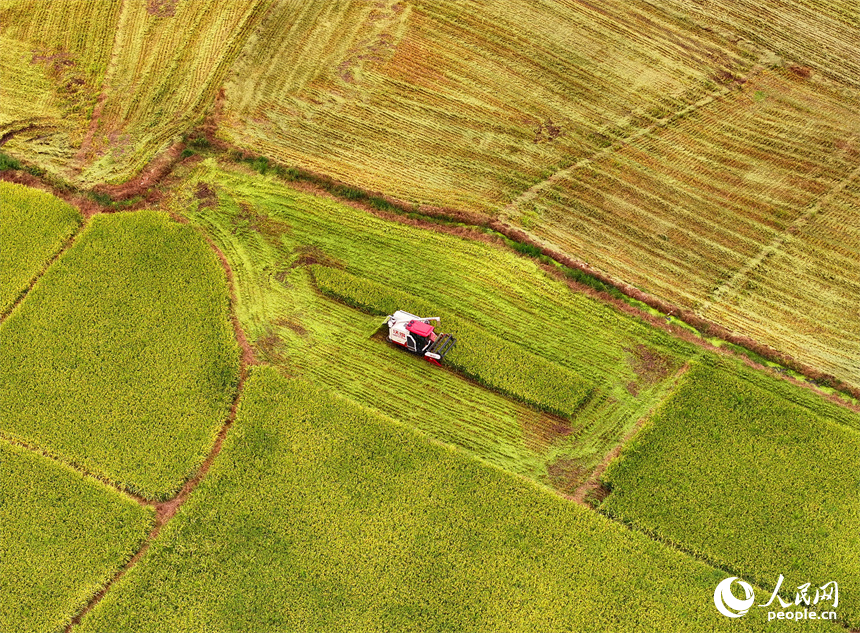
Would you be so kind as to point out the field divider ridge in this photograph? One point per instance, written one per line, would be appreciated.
(167, 509)
(67, 244)
(593, 484)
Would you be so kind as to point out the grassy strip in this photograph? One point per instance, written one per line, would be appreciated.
(122, 358)
(748, 479)
(33, 226)
(319, 515)
(62, 536)
(492, 361)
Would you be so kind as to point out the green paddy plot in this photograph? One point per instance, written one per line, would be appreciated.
(62, 537)
(122, 358)
(33, 226)
(271, 234)
(321, 515)
(732, 469)
(492, 361)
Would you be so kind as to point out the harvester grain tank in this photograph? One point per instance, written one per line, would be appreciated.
(418, 336)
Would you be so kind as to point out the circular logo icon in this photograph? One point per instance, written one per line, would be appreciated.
(726, 602)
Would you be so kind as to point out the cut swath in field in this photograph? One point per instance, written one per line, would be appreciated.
(271, 233)
(732, 469)
(492, 361)
(358, 523)
(62, 536)
(122, 358)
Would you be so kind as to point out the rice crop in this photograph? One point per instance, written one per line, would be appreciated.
(34, 225)
(320, 515)
(734, 471)
(62, 537)
(122, 358)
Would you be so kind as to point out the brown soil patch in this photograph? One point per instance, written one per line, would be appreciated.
(206, 195)
(648, 364)
(541, 429)
(295, 326)
(310, 255)
(566, 474)
(161, 8)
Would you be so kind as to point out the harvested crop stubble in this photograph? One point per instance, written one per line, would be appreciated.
(463, 104)
(62, 536)
(33, 227)
(122, 358)
(319, 515)
(731, 469)
(494, 362)
(695, 212)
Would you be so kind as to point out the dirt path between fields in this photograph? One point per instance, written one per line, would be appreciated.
(166, 510)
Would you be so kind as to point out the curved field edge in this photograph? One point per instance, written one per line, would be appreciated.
(122, 359)
(320, 515)
(492, 361)
(34, 226)
(62, 536)
(760, 485)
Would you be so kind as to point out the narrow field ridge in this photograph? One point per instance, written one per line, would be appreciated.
(165, 510)
(66, 245)
(593, 483)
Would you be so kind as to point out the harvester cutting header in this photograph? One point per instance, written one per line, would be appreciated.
(418, 336)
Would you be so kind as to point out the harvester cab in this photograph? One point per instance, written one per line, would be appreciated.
(418, 336)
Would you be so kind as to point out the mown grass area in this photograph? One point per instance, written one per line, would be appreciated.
(492, 361)
(122, 358)
(271, 234)
(62, 536)
(760, 485)
(34, 225)
(321, 515)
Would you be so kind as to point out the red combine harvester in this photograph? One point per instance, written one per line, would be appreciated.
(417, 336)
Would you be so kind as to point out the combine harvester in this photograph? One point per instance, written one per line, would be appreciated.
(417, 336)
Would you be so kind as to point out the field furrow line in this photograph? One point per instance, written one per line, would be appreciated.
(778, 241)
(532, 192)
(165, 510)
(66, 245)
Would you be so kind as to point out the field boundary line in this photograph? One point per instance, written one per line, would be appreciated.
(78, 468)
(593, 482)
(532, 192)
(166, 510)
(66, 245)
(779, 240)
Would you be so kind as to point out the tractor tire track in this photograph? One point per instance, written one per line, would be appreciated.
(532, 192)
(779, 241)
(166, 510)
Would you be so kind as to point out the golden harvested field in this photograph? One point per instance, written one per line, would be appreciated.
(699, 212)
(461, 104)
